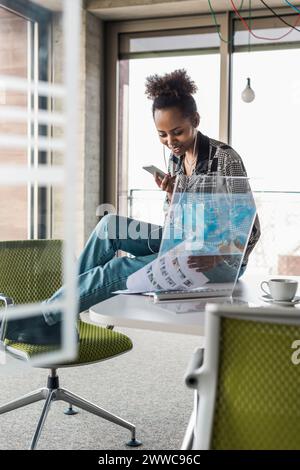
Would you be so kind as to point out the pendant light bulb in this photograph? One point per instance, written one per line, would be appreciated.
(248, 94)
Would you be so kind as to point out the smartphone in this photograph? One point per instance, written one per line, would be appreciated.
(153, 169)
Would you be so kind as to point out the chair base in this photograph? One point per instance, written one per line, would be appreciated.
(54, 393)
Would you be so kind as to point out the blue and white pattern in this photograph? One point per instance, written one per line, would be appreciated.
(215, 158)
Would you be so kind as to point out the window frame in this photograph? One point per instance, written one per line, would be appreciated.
(28, 10)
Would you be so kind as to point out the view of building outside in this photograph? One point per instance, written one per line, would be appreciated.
(13, 62)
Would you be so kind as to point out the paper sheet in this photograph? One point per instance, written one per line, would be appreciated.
(166, 272)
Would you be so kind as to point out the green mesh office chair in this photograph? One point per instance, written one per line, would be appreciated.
(247, 381)
(30, 271)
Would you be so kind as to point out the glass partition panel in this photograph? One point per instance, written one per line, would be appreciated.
(38, 283)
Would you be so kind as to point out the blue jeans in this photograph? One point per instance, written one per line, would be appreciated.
(99, 272)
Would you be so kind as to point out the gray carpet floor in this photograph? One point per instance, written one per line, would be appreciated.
(144, 386)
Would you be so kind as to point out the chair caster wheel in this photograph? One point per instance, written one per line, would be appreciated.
(70, 411)
(134, 443)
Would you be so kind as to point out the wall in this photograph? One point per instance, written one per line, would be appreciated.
(89, 139)
(93, 118)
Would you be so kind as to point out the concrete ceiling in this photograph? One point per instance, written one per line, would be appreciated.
(53, 5)
(134, 9)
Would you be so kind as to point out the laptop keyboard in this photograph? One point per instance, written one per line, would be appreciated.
(196, 294)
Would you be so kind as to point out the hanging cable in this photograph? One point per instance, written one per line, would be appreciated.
(250, 26)
(293, 6)
(213, 14)
(248, 94)
(256, 35)
(278, 16)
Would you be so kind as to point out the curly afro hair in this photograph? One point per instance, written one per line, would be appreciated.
(173, 89)
(176, 84)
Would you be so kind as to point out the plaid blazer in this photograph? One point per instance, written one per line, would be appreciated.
(215, 158)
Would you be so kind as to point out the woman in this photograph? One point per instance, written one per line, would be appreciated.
(176, 119)
(100, 272)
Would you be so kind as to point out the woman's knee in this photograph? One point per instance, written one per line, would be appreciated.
(111, 226)
(105, 223)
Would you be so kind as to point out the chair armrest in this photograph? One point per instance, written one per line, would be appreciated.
(191, 378)
(8, 302)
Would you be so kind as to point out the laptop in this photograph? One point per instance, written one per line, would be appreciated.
(204, 240)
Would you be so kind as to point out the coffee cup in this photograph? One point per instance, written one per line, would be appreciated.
(280, 289)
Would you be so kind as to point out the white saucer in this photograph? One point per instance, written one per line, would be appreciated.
(267, 298)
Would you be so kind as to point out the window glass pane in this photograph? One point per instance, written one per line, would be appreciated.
(266, 131)
(144, 147)
(176, 40)
(269, 29)
(278, 249)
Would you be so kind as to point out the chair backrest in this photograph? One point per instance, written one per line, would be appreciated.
(256, 381)
(30, 270)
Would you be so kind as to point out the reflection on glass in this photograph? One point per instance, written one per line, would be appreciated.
(207, 229)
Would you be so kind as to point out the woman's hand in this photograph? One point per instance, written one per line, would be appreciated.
(202, 263)
(166, 184)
